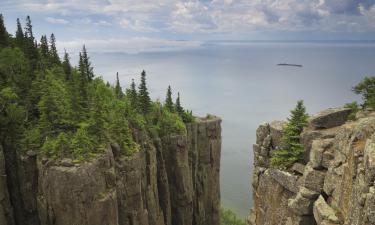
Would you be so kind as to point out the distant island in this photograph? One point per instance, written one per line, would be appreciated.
(287, 64)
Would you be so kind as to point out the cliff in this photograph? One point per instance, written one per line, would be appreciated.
(174, 180)
(334, 184)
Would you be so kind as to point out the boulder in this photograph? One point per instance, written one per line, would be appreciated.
(314, 179)
(301, 206)
(307, 193)
(276, 132)
(286, 179)
(330, 118)
(298, 168)
(323, 213)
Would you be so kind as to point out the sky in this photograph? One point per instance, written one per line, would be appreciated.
(156, 25)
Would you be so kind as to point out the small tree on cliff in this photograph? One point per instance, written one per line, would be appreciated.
(366, 88)
(293, 149)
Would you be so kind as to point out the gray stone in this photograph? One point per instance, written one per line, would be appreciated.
(276, 132)
(330, 118)
(286, 179)
(314, 179)
(307, 193)
(323, 213)
(301, 206)
(298, 168)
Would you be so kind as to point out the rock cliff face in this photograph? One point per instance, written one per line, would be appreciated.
(172, 181)
(334, 184)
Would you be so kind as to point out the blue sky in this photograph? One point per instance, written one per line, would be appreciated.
(138, 25)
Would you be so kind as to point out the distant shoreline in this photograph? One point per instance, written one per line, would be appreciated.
(287, 64)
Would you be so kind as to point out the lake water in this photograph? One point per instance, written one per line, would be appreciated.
(241, 83)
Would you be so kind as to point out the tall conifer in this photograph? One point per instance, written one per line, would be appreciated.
(143, 97)
(19, 35)
(179, 108)
(87, 64)
(118, 89)
(168, 100)
(3, 33)
(54, 56)
(67, 67)
(44, 49)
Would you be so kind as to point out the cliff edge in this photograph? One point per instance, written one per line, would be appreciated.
(173, 180)
(334, 184)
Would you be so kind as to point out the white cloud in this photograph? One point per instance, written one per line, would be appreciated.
(56, 20)
(219, 16)
(130, 45)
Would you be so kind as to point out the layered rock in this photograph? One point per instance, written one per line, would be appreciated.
(170, 181)
(333, 185)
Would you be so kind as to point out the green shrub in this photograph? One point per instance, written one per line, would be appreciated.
(354, 107)
(227, 217)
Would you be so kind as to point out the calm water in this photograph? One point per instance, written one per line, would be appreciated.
(240, 83)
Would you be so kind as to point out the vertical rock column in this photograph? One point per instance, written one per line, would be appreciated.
(6, 210)
(204, 140)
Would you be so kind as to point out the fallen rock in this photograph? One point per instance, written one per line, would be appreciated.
(301, 206)
(314, 179)
(286, 179)
(307, 193)
(276, 132)
(330, 118)
(323, 213)
(298, 168)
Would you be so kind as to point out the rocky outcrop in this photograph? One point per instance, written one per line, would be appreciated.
(333, 185)
(170, 181)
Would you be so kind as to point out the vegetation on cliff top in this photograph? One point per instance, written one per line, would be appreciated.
(292, 148)
(47, 104)
(227, 217)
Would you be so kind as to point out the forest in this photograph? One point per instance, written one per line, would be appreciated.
(49, 106)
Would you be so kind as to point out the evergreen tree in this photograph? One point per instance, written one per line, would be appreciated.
(29, 30)
(143, 97)
(67, 67)
(168, 100)
(44, 49)
(29, 46)
(179, 108)
(3, 33)
(19, 35)
(87, 64)
(293, 149)
(132, 95)
(118, 89)
(54, 56)
(82, 83)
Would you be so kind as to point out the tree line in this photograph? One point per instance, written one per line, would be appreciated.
(48, 105)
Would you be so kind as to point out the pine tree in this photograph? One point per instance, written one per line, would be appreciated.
(132, 95)
(168, 100)
(87, 64)
(29, 46)
(54, 56)
(19, 35)
(29, 30)
(118, 89)
(67, 67)
(82, 83)
(179, 108)
(3, 33)
(293, 149)
(44, 49)
(144, 98)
